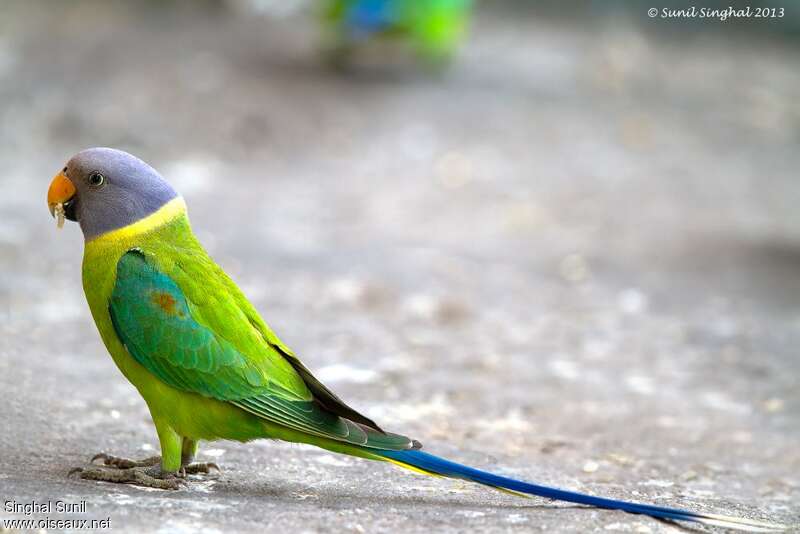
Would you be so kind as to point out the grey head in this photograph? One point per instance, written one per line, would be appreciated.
(112, 190)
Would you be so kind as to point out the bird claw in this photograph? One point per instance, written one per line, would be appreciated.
(124, 463)
(151, 477)
(199, 468)
(74, 470)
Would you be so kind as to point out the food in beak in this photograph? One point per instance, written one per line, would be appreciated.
(58, 213)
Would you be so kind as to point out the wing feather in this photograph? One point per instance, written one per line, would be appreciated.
(196, 349)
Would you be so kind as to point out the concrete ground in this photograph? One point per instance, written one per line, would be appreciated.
(574, 258)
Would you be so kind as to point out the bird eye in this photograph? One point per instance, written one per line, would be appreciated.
(96, 179)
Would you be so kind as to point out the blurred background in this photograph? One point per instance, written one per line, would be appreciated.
(564, 245)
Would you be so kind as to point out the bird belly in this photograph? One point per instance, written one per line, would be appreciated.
(194, 416)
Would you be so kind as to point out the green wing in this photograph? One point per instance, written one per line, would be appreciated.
(205, 341)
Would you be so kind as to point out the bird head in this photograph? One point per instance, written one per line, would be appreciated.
(104, 189)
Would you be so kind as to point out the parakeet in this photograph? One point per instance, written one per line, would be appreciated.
(433, 28)
(204, 360)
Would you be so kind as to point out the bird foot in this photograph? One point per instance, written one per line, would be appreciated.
(146, 472)
(199, 468)
(124, 463)
(150, 477)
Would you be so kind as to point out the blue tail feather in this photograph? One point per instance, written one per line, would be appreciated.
(439, 466)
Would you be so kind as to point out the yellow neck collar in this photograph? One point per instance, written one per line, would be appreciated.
(166, 213)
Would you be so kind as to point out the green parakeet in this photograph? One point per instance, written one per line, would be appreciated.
(433, 28)
(201, 356)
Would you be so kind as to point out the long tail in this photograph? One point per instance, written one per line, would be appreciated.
(419, 461)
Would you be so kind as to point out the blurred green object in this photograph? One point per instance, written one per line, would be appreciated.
(433, 28)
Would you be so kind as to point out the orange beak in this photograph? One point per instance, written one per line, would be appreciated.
(61, 190)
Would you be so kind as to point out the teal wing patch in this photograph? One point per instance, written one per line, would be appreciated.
(153, 319)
